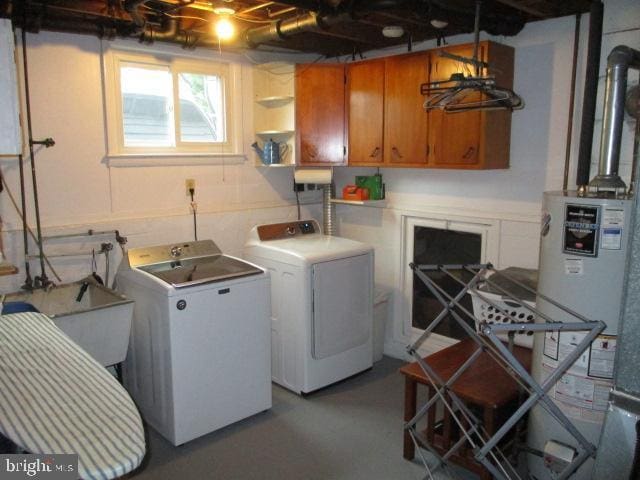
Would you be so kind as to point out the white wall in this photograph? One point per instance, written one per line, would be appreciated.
(507, 200)
(79, 189)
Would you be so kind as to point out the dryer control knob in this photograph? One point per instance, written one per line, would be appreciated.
(176, 251)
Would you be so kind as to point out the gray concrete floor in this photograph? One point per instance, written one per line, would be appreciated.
(352, 430)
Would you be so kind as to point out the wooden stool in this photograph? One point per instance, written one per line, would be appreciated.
(485, 387)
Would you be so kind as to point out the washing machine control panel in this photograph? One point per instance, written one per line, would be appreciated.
(287, 230)
(178, 251)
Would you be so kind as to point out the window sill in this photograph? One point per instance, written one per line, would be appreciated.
(172, 159)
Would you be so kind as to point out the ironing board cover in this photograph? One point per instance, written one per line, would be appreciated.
(55, 398)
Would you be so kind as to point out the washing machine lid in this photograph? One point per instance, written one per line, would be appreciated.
(302, 245)
(186, 273)
(190, 263)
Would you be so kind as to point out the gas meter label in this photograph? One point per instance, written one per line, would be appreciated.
(611, 239)
(612, 223)
(583, 391)
(573, 266)
(581, 230)
(613, 217)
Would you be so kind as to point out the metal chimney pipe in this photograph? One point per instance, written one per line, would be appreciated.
(619, 61)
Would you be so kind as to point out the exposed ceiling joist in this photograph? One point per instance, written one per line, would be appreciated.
(338, 25)
(523, 7)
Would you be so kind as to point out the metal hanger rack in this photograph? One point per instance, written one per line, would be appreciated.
(485, 446)
(449, 95)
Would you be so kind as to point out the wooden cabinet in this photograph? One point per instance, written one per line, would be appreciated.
(10, 137)
(412, 137)
(405, 126)
(475, 139)
(365, 112)
(320, 119)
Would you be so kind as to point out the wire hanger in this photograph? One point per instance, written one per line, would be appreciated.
(449, 95)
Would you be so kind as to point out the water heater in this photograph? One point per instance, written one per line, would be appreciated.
(583, 253)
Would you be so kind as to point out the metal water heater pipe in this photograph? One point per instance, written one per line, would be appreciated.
(619, 61)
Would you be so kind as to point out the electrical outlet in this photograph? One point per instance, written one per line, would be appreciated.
(189, 184)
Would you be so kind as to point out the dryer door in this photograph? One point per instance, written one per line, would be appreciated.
(342, 305)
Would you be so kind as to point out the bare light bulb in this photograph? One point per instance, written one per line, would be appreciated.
(224, 29)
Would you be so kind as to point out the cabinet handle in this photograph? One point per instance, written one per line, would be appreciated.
(375, 152)
(469, 153)
(312, 151)
(396, 152)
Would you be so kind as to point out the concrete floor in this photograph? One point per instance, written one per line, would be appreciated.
(352, 430)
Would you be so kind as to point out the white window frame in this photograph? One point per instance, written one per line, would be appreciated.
(489, 249)
(113, 59)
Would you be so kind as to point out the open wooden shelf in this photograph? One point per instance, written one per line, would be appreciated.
(274, 101)
(7, 269)
(367, 203)
(275, 133)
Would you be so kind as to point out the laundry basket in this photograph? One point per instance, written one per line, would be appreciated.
(508, 311)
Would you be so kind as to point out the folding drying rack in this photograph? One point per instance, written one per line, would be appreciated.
(485, 446)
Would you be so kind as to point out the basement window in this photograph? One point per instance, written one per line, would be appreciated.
(170, 106)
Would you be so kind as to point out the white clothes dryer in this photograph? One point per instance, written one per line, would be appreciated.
(199, 351)
(322, 303)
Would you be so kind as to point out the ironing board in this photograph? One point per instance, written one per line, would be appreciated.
(54, 398)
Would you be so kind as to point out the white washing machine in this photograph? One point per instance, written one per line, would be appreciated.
(199, 354)
(322, 303)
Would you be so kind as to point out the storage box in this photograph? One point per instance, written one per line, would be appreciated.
(353, 192)
(373, 183)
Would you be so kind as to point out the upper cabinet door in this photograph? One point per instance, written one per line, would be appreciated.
(10, 138)
(405, 133)
(454, 138)
(320, 96)
(475, 139)
(365, 112)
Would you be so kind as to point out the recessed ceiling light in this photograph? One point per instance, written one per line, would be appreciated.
(393, 31)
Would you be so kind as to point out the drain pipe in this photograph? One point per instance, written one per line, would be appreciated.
(131, 7)
(171, 33)
(567, 156)
(619, 61)
(590, 94)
